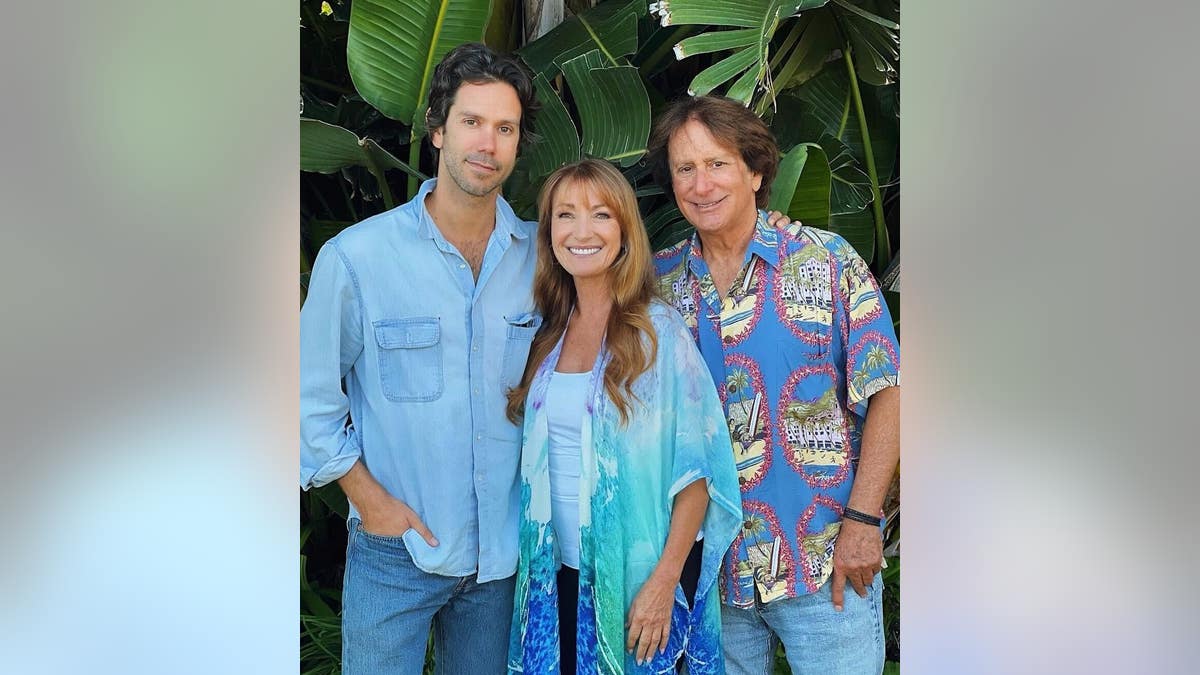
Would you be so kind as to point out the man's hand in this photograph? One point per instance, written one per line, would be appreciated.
(775, 219)
(381, 513)
(649, 621)
(857, 556)
(392, 518)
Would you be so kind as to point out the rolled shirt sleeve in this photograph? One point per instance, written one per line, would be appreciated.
(330, 341)
(871, 348)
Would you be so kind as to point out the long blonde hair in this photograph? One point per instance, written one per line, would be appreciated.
(631, 281)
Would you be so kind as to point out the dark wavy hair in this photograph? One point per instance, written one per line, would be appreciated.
(477, 63)
(731, 123)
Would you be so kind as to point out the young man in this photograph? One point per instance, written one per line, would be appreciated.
(791, 323)
(417, 321)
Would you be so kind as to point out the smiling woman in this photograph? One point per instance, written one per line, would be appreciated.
(584, 232)
(625, 454)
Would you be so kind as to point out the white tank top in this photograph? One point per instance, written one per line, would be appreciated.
(566, 405)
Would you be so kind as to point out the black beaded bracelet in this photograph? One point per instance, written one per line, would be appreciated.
(860, 516)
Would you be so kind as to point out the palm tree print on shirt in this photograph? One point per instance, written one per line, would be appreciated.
(814, 431)
(748, 414)
(768, 559)
(861, 294)
(743, 304)
(874, 357)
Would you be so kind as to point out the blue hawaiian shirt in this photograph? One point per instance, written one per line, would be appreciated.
(799, 344)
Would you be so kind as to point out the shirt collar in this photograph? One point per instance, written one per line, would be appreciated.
(764, 243)
(506, 218)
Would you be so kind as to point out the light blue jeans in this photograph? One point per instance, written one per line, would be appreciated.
(388, 604)
(817, 639)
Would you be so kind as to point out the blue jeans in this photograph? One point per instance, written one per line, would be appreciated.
(388, 604)
(818, 640)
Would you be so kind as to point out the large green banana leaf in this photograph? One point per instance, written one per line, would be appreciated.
(828, 98)
(858, 229)
(393, 46)
(801, 187)
(868, 26)
(871, 29)
(850, 187)
(754, 23)
(559, 142)
(614, 109)
(328, 148)
(610, 28)
(802, 54)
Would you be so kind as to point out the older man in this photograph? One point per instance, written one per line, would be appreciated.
(796, 334)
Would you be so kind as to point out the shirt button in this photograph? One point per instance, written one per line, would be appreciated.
(474, 348)
(480, 436)
(461, 265)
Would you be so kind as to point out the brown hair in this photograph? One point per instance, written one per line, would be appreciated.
(631, 281)
(476, 63)
(731, 123)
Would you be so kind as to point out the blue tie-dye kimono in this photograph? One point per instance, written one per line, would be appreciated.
(629, 477)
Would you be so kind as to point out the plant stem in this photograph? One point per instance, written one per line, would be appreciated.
(414, 160)
(349, 202)
(381, 178)
(883, 248)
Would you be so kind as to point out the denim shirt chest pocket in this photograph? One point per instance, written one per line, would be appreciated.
(520, 330)
(410, 358)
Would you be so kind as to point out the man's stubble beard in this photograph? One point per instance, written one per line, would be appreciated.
(458, 172)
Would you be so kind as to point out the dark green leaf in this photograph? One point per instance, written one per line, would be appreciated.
(386, 160)
(784, 186)
(844, 4)
(810, 200)
(850, 189)
(807, 58)
(613, 108)
(559, 140)
(794, 123)
(892, 298)
(746, 13)
(394, 45)
(610, 28)
(858, 229)
(722, 71)
(326, 148)
(716, 41)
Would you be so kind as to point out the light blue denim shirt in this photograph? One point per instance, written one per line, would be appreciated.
(426, 355)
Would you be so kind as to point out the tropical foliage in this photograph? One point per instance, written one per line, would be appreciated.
(824, 74)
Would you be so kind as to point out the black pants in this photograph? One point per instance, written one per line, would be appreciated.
(568, 602)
